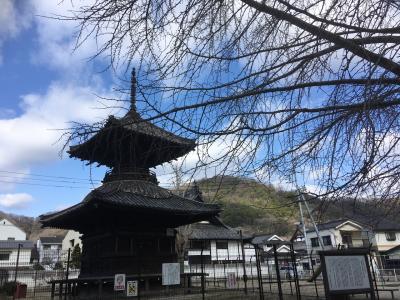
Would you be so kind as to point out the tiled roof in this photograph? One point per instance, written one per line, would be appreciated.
(330, 224)
(51, 239)
(14, 244)
(208, 231)
(137, 194)
(129, 131)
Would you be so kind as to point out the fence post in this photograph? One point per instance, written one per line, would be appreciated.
(67, 274)
(259, 274)
(34, 287)
(16, 270)
(244, 263)
(278, 275)
(394, 273)
(295, 274)
(313, 275)
(202, 274)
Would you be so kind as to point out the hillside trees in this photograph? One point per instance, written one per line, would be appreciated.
(307, 87)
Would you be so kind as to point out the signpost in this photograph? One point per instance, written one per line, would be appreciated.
(119, 282)
(346, 272)
(171, 274)
(132, 288)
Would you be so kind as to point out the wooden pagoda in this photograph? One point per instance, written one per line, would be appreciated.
(128, 222)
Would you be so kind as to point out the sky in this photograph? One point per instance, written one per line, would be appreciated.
(45, 85)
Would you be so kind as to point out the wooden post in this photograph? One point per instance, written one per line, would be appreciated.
(244, 263)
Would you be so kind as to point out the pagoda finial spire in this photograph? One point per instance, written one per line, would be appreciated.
(133, 89)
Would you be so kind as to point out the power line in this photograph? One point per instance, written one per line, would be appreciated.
(45, 185)
(47, 176)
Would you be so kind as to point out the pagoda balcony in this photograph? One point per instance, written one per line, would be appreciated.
(137, 174)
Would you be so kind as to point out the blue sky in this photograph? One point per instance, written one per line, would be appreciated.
(44, 85)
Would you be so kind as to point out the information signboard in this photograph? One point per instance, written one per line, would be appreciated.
(171, 274)
(132, 288)
(346, 272)
(119, 282)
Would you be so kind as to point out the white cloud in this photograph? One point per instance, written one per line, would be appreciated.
(32, 138)
(57, 39)
(14, 17)
(15, 201)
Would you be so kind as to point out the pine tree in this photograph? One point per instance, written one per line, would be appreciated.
(76, 257)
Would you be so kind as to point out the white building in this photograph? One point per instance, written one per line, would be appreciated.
(9, 253)
(50, 250)
(213, 242)
(266, 241)
(71, 239)
(11, 232)
(12, 238)
(344, 232)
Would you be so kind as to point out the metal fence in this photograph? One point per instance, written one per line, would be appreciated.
(272, 274)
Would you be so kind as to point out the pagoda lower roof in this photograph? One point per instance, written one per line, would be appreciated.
(131, 202)
(153, 144)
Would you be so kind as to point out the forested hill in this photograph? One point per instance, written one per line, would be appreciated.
(257, 208)
(252, 206)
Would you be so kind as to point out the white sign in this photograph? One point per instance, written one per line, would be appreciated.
(119, 282)
(231, 280)
(131, 288)
(171, 274)
(347, 272)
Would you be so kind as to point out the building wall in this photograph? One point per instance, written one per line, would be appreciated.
(335, 238)
(9, 230)
(233, 252)
(359, 235)
(383, 244)
(49, 253)
(71, 239)
(24, 257)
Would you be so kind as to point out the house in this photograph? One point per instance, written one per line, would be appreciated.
(71, 239)
(9, 231)
(12, 241)
(343, 232)
(50, 250)
(266, 242)
(9, 253)
(213, 242)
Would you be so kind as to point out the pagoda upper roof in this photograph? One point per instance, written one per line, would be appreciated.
(132, 140)
(133, 202)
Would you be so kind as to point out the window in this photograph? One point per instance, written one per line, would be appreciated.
(314, 242)
(4, 256)
(222, 245)
(347, 239)
(200, 245)
(72, 242)
(390, 236)
(11, 239)
(327, 240)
